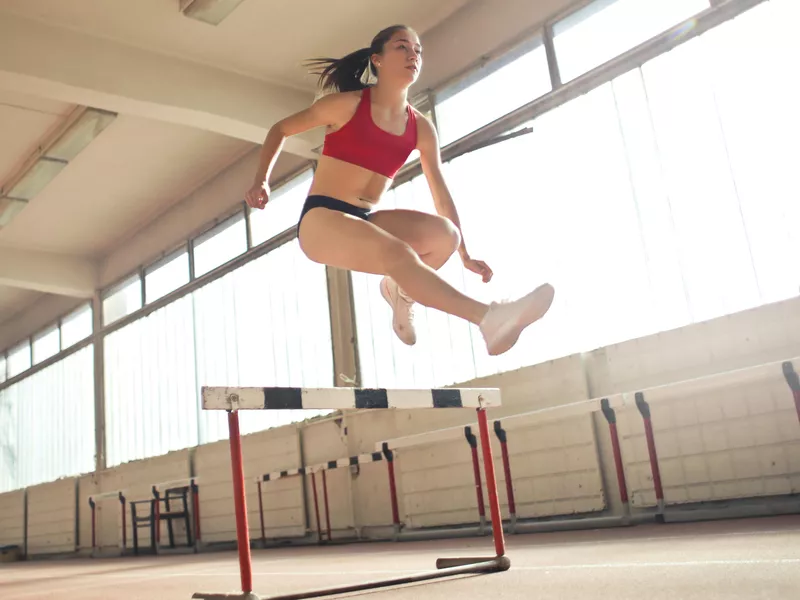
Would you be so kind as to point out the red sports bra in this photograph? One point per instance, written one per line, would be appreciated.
(361, 142)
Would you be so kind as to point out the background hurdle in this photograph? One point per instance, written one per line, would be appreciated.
(93, 499)
(251, 398)
(322, 468)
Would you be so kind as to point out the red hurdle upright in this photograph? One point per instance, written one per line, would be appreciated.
(476, 474)
(502, 436)
(644, 409)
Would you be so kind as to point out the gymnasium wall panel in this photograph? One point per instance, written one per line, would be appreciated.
(52, 512)
(12, 519)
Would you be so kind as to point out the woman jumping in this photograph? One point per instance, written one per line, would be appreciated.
(371, 131)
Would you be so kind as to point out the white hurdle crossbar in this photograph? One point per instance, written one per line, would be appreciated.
(234, 399)
(277, 398)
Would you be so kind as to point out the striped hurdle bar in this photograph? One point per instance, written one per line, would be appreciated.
(323, 468)
(234, 399)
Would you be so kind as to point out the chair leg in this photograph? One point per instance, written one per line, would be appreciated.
(153, 525)
(135, 530)
(169, 524)
(187, 521)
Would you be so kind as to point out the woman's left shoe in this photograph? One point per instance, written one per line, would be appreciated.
(402, 309)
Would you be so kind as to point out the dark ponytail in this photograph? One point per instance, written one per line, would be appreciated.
(344, 74)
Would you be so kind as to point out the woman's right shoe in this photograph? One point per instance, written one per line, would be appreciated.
(505, 321)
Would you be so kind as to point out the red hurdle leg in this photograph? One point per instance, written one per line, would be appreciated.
(325, 498)
(316, 506)
(644, 409)
(476, 469)
(611, 417)
(261, 516)
(512, 505)
(491, 484)
(240, 503)
(392, 487)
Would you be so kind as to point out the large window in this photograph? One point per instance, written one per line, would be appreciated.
(122, 300)
(493, 91)
(606, 28)
(166, 275)
(46, 344)
(662, 198)
(76, 326)
(19, 359)
(150, 385)
(266, 323)
(282, 211)
(224, 242)
(47, 424)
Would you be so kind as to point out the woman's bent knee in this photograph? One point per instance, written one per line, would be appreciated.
(395, 254)
(451, 235)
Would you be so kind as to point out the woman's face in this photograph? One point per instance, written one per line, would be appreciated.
(401, 59)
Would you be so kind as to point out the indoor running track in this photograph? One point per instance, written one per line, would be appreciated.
(753, 558)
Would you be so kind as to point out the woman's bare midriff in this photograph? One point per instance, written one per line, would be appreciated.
(348, 182)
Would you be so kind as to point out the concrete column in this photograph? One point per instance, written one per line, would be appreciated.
(99, 385)
(343, 331)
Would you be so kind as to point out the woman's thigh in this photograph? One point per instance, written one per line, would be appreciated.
(340, 240)
(424, 232)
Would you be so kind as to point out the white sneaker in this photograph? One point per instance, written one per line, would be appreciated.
(504, 321)
(403, 309)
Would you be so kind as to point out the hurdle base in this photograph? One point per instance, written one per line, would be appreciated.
(239, 596)
(502, 563)
(447, 567)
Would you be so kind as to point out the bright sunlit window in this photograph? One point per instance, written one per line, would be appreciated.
(46, 344)
(606, 28)
(76, 326)
(19, 359)
(282, 210)
(491, 92)
(123, 300)
(224, 242)
(166, 275)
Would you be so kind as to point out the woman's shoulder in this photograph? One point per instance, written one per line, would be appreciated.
(339, 97)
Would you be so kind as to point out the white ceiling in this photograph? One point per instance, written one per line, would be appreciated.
(24, 120)
(13, 300)
(265, 39)
(133, 171)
